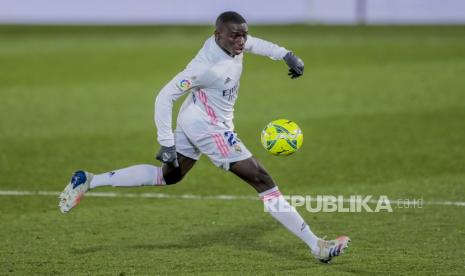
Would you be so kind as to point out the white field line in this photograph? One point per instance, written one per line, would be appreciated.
(201, 197)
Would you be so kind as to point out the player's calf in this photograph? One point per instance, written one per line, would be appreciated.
(251, 171)
(174, 174)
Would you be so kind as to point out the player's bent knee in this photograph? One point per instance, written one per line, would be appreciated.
(172, 176)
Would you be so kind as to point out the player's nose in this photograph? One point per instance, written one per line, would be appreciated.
(241, 41)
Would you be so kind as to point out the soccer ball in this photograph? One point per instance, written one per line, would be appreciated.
(282, 137)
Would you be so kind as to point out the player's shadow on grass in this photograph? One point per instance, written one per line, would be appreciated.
(248, 237)
(243, 237)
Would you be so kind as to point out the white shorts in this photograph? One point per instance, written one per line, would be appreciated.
(220, 144)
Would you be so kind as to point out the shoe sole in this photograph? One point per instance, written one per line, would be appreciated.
(68, 193)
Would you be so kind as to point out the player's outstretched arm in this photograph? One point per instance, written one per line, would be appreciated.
(265, 48)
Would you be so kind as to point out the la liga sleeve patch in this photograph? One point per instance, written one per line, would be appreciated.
(184, 84)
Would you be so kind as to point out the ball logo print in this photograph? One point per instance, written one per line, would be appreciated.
(282, 137)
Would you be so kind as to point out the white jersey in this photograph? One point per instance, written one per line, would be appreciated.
(212, 79)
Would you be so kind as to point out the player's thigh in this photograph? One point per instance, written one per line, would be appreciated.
(252, 171)
(187, 155)
(185, 146)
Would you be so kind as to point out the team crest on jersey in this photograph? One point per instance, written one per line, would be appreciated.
(184, 84)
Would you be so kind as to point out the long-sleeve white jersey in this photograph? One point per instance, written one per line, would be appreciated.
(212, 78)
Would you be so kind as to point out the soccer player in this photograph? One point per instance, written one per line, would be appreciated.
(205, 126)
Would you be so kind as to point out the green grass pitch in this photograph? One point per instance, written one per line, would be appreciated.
(382, 110)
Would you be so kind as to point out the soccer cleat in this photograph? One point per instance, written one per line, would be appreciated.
(75, 190)
(328, 249)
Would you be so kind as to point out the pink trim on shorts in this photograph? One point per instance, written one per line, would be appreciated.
(224, 150)
(210, 111)
(223, 143)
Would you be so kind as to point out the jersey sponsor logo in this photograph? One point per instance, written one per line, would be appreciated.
(184, 84)
(231, 93)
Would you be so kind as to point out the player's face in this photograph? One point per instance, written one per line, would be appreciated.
(232, 37)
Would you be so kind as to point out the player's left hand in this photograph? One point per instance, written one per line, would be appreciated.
(168, 155)
(296, 65)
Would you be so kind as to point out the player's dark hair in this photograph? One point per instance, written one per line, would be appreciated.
(229, 16)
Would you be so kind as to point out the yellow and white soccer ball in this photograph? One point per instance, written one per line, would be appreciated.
(282, 137)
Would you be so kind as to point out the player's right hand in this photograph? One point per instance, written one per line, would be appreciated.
(168, 156)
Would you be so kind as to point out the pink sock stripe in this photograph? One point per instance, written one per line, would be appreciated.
(272, 195)
(219, 145)
(159, 177)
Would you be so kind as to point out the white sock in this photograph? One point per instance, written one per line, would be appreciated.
(138, 175)
(287, 215)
